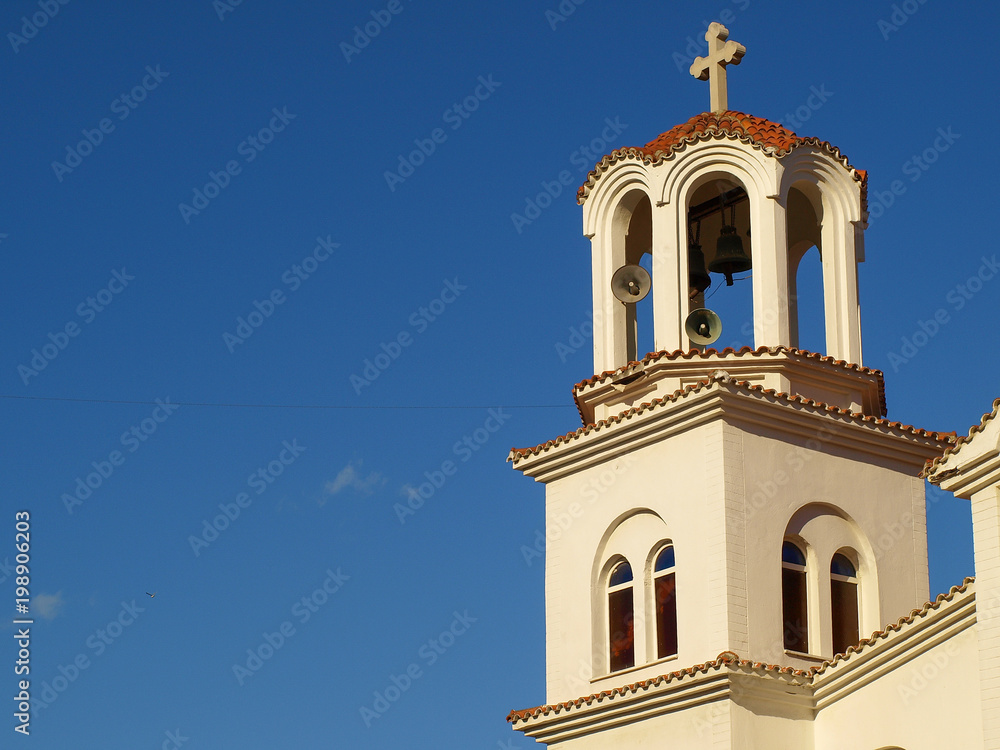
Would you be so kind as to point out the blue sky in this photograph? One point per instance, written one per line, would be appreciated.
(175, 169)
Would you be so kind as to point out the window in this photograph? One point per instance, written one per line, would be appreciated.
(843, 603)
(621, 633)
(793, 598)
(665, 595)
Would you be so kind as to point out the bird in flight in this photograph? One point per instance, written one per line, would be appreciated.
(151, 595)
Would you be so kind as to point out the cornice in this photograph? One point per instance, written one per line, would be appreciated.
(731, 400)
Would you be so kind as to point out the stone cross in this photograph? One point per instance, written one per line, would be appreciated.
(713, 67)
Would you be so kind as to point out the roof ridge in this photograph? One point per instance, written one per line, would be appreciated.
(692, 353)
(944, 436)
(896, 626)
(933, 463)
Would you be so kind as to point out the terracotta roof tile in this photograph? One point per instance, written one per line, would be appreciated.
(726, 658)
(516, 453)
(692, 353)
(931, 467)
(770, 137)
(896, 626)
(767, 135)
(740, 385)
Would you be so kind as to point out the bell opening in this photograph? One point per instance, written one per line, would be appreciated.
(722, 208)
(638, 244)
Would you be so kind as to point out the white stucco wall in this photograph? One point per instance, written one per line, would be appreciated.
(724, 495)
(929, 703)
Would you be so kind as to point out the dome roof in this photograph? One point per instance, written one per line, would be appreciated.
(770, 137)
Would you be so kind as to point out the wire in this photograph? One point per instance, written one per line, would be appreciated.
(718, 287)
(281, 406)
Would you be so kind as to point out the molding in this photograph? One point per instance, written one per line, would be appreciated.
(913, 639)
(745, 409)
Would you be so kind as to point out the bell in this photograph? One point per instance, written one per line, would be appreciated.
(698, 278)
(729, 257)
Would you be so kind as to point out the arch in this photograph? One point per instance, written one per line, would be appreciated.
(834, 183)
(803, 217)
(628, 530)
(620, 178)
(621, 617)
(714, 201)
(635, 537)
(825, 530)
(844, 600)
(664, 591)
(757, 172)
(806, 309)
(794, 597)
(835, 196)
(618, 209)
(751, 167)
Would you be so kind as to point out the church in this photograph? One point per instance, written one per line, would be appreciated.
(777, 596)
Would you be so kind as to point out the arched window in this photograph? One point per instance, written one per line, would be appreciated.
(843, 603)
(664, 590)
(793, 598)
(621, 618)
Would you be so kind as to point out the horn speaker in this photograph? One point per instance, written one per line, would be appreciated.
(703, 326)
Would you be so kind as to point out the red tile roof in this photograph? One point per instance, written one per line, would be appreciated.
(692, 353)
(770, 137)
(739, 386)
(726, 658)
(894, 627)
(764, 134)
(731, 659)
(931, 467)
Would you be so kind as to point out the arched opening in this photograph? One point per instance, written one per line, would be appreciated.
(794, 601)
(718, 225)
(638, 247)
(628, 559)
(665, 598)
(621, 618)
(806, 311)
(844, 600)
(840, 560)
(808, 324)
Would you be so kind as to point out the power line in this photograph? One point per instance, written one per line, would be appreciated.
(284, 406)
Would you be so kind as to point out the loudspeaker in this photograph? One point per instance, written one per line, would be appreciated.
(630, 284)
(703, 326)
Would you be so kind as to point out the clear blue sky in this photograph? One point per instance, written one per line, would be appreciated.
(428, 263)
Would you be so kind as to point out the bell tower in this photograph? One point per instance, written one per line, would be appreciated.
(720, 508)
(719, 174)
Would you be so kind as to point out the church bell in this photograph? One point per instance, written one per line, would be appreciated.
(698, 278)
(730, 256)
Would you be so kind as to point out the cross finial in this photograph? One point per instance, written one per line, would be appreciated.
(713, 67)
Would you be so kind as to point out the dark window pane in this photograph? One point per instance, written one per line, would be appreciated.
(621, 635)
(621, 574)
(666, 616)
(844, 605)
(793, 594)
(792, 554)
(664, 560)
(841, 566)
